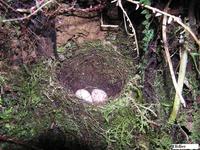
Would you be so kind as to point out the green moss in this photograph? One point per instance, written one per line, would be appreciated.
(20, 110)
(196, 128)
(126, 119)
(162, 141)
(38, 100)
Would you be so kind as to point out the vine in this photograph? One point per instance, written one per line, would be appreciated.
(148, 32)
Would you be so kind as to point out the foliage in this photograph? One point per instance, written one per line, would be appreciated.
(148, 32)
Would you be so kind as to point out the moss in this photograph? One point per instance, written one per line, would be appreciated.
(161, 142)
(127, 120)
(21, 106)
(37, 101)
(196, 128)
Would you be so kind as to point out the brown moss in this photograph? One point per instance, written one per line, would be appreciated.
(94, 69)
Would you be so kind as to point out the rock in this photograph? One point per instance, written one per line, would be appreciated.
(83, 95)
(99, 96)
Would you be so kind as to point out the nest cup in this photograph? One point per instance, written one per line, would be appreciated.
(94, 68)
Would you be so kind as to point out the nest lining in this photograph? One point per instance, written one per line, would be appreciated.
(91, 69)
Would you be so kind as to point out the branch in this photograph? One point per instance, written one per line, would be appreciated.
(176, 19)
(4, 3)
(33, 13)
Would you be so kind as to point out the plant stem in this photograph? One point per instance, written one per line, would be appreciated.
(169, 61)
(181, 77)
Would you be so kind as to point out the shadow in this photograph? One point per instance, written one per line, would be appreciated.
(55, 139)
(51, 139)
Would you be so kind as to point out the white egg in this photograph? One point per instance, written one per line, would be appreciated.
(99, 96)
(84, 95)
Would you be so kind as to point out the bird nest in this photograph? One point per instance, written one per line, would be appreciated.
(101, 69)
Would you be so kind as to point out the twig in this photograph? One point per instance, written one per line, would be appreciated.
(149, 109)
(126, 18)
(33, 13)
(3, 2)
(142, 114)
(176, 19)
(186, 135)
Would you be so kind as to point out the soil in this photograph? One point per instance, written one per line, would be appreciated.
(78, 29)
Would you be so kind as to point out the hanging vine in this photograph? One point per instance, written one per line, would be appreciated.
(148, 32)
